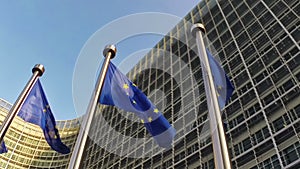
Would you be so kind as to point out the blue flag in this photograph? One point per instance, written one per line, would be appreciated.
(36, 110)
(222, 83)
(3, 148)
(119, 91)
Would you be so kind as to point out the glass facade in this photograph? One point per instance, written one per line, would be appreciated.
(27, 147)
(257, 42)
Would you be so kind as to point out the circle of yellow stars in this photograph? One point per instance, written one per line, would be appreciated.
(126, 86)
(150, 118)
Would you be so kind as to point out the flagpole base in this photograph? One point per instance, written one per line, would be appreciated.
(110, 49)
(197, 27)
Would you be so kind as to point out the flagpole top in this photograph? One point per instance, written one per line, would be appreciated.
(110, 49)
(197, 27)
(40, 68)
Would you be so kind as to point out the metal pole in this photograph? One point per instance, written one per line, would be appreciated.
(109, 53)
(37, 71)
(215, 115)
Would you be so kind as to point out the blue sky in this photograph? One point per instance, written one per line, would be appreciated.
(54, 32)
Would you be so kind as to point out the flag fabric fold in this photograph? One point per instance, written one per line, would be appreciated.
(223, 85)
(36, 110)
(3, 148)
(119, 91)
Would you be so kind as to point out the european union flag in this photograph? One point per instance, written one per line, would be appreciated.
(223, 85)
(3, 148)
(119, 91)
(36, 110)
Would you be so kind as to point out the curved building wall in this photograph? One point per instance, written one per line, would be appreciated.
(257, 43)
(27, 147)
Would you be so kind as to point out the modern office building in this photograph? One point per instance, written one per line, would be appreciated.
(257, 42)
(27, 147)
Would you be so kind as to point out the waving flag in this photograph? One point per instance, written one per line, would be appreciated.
(3, 148)
(36, 110)
(119, 91)
(223, 85)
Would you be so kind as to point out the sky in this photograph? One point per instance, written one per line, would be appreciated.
(54, 33)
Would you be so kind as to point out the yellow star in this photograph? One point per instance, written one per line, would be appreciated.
(45, 109)
(219, 87)
(142, 121)
(52, 134)
(133, 84)
(133, 101)
(156, 111)
(125, 86)
(218, 95)
(149, 119)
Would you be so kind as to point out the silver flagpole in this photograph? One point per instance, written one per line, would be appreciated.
(37, 71)
(222, 159)
(109, 52)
